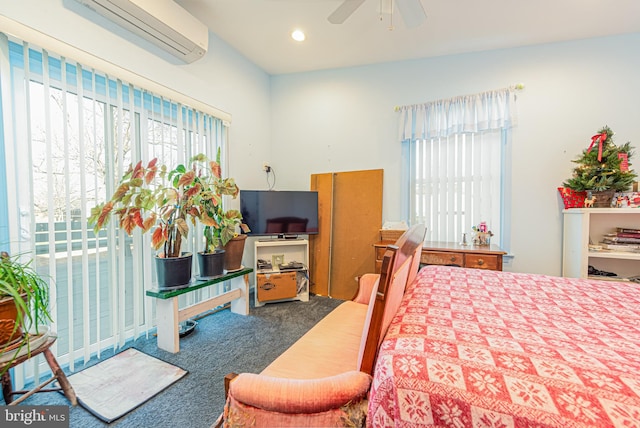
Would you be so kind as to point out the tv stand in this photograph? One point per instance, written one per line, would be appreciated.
(276, 285)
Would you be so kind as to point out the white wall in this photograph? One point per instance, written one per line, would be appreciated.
(340, 120)
(344, 120)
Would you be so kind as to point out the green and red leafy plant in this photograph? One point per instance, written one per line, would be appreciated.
(152, 197)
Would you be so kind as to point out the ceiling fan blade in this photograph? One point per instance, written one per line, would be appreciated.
(412, 12)
(344, 11)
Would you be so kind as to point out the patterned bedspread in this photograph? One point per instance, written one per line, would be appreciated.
(474, 348)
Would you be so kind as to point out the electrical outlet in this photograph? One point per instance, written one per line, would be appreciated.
(266, 167)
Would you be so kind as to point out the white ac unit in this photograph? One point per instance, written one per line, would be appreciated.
(162, 22)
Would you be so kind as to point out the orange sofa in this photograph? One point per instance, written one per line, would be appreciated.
(323, 379)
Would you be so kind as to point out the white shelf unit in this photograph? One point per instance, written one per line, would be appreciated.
(583, 226)
(291, 250)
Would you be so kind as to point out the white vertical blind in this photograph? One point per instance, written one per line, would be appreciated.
(70, 133)
(456, 184)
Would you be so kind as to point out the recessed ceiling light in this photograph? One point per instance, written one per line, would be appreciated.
(298, 35)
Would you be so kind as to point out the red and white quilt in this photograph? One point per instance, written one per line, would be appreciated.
(476, 348)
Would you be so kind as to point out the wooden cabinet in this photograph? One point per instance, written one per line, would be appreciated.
(349, 219)
(450, 253)
(583, 226)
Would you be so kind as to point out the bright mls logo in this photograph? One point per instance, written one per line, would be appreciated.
(34, 416)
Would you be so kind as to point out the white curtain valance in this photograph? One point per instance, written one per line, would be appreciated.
(469, 113)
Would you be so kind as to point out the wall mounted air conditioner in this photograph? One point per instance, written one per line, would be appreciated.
(162, 22)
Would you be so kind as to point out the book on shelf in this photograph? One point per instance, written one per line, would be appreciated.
(632, 248)
(613, 239)
(628, 235)
(627, 230)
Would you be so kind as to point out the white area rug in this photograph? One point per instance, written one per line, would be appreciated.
(119, 384)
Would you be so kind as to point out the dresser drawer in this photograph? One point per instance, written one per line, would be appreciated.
(482, 261)
(380, 252)
(442, 258)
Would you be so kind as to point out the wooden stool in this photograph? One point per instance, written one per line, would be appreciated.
(65, 386)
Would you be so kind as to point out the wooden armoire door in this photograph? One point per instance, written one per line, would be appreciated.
(350, 217)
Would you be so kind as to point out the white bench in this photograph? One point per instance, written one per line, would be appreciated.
(170, 317)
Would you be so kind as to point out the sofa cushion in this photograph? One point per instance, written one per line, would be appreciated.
(329, 348)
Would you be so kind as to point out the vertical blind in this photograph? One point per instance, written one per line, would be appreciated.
(454, 163)
(455, 183)
(70, 132)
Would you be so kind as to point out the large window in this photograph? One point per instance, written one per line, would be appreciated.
(70, 132)
(456, 165)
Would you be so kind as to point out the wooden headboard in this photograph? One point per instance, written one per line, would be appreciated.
(399, 266)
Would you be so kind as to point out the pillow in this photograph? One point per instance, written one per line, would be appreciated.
(299, 395)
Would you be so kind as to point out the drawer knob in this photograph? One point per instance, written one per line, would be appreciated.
(480, 262)
(453, 258)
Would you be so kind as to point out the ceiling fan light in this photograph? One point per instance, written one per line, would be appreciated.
(298, 35)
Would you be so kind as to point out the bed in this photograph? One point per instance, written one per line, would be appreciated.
(476, 348)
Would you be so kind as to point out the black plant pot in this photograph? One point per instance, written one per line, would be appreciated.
(174, 272)
(211, 264)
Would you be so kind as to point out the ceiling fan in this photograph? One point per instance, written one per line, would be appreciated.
(411, 11)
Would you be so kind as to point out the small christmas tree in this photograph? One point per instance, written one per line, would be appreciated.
(603, 166)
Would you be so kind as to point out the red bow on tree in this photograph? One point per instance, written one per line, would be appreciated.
(601, 138)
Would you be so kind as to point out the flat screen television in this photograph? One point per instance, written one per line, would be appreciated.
(280, 213)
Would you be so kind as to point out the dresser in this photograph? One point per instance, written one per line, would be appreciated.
(451, 253)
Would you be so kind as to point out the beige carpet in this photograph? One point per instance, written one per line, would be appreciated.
(119, 384)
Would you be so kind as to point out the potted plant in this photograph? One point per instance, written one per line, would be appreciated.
(220, 226)
(602, 169)
(152, 197)
(24, 306)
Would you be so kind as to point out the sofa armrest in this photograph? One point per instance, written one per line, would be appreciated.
(366, 284)
(299, 395)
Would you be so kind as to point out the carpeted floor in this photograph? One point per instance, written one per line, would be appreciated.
(223, 342)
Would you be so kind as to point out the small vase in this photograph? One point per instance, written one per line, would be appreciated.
(233, 253)
(482, 238)
(211, 264)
